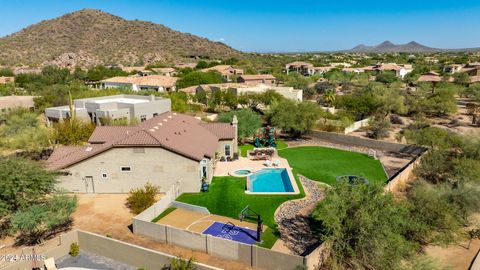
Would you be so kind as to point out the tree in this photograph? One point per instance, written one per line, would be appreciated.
(39, 221)
(461, 78)
(140, 199)
(294, 118)
(386, 78)
(248, 122)
(473, 109)
(23, 130)
(329, 97)
(22, 183)
(179, 101)
(198, 77)
(364, 227)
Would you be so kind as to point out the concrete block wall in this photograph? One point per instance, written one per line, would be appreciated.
(250, 255)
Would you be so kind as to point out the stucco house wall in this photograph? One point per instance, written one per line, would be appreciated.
(149, 164)
(221, 148)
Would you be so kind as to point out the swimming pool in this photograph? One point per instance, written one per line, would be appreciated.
(270, 181)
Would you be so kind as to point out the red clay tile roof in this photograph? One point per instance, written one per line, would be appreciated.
(223, 131)
(258, 77)
(178, 133)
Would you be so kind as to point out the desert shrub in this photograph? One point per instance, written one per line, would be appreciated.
(74, 249)
(180, 264)
(72, 132)
(140, 199)
(378, 127)
(395, 119)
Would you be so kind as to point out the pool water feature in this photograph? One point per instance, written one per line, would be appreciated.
(243, 172)
(270, 181)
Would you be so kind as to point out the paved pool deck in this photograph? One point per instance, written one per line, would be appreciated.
(225, 168)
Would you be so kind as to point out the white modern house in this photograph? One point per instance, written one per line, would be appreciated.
(112, 107)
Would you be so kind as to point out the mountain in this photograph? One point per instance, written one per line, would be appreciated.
(389, 47)
(90, 37)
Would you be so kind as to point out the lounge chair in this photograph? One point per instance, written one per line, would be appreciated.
(276, 163)
(267, 163)
(50, 264)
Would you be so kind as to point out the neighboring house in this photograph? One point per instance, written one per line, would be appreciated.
(165, 150)
(353, 70)
(227, 71)
(145, 73)
(242, 88)
(153, 82)
(5, 80)
(101, 109)
(400, 69)
(170, 72)
(430, 76)
(260, 78)
(133, 69)
(341, 65)
(10, 102)
(185, 65)
(322, 70)
(303, 68)
(26, 70)
(472, 70)
(452, 69)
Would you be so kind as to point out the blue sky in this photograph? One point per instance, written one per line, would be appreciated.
(281, 25)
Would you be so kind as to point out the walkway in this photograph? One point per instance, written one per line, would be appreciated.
(293, 221)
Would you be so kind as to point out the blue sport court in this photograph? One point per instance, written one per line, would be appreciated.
(232, 232)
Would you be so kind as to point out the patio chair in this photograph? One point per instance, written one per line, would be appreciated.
(276, 163)
(267, 163)
(50, 264)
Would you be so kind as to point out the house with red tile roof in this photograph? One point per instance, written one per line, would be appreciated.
(169, 149)
(259, 78)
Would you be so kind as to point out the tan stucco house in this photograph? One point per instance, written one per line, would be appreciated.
(169, 149)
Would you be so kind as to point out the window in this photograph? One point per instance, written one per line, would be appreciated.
(227, 150)
(125, 169)
(104, 175)
(143, 118)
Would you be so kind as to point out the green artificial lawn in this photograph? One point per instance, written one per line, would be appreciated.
(248, 146)
(164, 214)
(325, 164)
(226, 197)
(244, 148)
(281, 144)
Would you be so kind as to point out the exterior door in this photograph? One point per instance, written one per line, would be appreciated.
(89, 185)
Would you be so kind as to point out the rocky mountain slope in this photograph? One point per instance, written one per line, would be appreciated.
(90, 37)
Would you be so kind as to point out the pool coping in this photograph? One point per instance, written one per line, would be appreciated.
(295, 191)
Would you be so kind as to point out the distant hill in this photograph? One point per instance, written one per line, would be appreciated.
(389, 47)
(90, 37)
(411, 47)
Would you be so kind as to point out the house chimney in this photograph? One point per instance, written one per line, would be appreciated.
(235, 125)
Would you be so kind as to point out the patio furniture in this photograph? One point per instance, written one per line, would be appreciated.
(267, 163)
(276, 163)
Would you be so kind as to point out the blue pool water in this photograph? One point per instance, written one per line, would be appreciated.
(270, 180)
